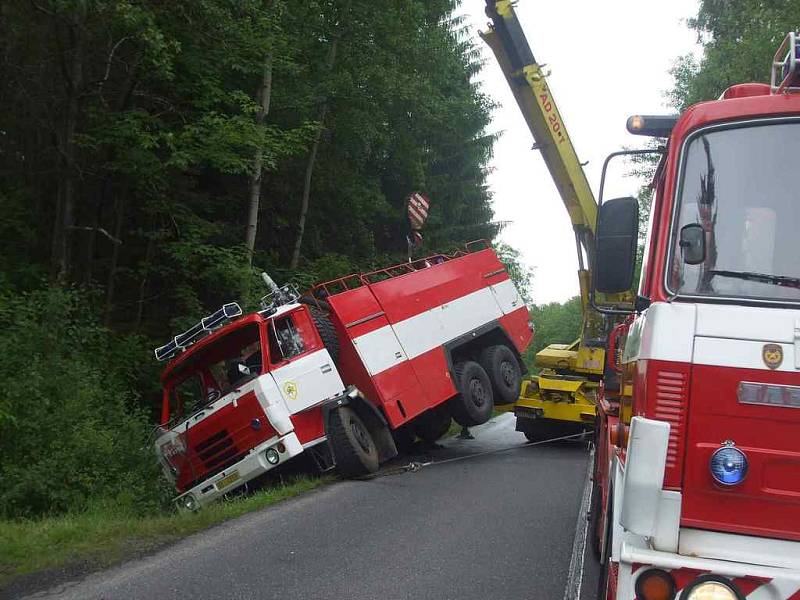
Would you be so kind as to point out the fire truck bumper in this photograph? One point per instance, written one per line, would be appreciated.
(261, 459)
(749, 580)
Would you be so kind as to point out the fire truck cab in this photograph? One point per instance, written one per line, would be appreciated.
(348, 372)
(697, 474)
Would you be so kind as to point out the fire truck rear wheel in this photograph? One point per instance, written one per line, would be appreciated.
(503, 369)
(404, 439)
(327, 333)
(433, 424)
(352, 444)
(474, 403)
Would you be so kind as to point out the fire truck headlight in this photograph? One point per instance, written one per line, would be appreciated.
(728, 465)
(189, 502)
(714, 589)
(272, 456)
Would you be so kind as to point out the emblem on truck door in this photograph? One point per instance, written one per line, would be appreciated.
(772, 355)
(290, 389)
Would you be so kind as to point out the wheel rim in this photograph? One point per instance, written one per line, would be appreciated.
(361, 435)
(477, 392)
(507, 373)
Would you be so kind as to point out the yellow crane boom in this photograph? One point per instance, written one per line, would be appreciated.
(561, 398)
(528, 82)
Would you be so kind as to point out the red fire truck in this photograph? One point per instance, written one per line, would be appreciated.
(357, 366)
(697, 474)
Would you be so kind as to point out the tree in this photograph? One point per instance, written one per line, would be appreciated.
(739, 40)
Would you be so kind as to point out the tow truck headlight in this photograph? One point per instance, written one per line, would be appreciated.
(272, 456)
(728, 464)
(711, 588)
(189, 502)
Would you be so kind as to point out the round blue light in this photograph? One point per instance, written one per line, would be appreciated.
(728, 465)
(255, 424)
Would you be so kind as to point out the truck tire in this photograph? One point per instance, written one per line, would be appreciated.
(474, 403)
(432, 424)
(404, 439)
(502, 366)
(353, 448)
(327, 333)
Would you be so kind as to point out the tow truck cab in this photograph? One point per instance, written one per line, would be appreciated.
(698, 466)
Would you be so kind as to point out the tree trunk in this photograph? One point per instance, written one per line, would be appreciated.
(312, 157)
(148, 255)
(119, 214)
(301, 223)
(264, 95)
(65, 210)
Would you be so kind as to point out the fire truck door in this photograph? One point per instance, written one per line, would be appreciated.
(300, 364)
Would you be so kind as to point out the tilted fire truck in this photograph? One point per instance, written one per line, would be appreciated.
(697, 474)
(352, 366)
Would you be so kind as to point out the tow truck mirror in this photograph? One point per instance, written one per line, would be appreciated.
(693, 243)
(617, 233)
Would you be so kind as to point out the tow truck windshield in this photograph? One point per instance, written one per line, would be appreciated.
(740, 185)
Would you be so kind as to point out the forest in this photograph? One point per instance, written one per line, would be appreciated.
(156, 156)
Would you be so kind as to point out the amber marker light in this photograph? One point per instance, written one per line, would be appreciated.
(655, 584)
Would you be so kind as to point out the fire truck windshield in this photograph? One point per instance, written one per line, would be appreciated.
(216, 370)
(739, 185)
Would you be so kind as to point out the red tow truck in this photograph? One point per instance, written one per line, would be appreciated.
(697, 474)
(347, 372)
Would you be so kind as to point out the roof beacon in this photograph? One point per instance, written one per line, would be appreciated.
(277, 296)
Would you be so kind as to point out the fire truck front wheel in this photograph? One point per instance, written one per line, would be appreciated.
(502, 366)
(352, 444)
(474, 403)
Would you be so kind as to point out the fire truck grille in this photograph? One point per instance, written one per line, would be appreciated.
(218, 451)
(670, 407)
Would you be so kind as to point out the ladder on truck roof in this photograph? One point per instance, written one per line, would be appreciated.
(357, 280)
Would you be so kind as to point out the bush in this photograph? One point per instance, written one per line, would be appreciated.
(71, 427)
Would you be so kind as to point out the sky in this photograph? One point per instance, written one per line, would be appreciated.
(608, 61)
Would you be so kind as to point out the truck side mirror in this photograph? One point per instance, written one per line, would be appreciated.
(617, 233)
(693, 243)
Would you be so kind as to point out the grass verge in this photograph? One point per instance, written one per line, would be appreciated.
(104, 535)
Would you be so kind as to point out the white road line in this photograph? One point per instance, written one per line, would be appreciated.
(572, 591)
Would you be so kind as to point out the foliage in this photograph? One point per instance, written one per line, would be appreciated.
(70, 427)
(520, 273)
(739, 40)
(556, 323)
(128, 132)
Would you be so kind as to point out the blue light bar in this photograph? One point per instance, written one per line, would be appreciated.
(191, 335)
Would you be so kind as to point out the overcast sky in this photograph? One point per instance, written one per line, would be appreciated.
(608, 60)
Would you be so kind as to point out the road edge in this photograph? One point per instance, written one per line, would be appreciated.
(572, 590)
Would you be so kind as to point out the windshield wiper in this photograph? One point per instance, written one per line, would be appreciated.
(779, 280)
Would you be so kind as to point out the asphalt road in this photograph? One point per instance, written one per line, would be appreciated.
(500, 526)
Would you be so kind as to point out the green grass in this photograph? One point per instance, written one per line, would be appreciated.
(103, 536)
